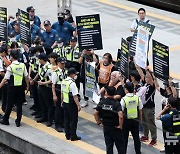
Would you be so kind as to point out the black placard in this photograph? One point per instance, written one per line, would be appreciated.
(125, 58)
(150, 28)
(161, 60)
(3, 24)
(25, 35)
(89, 32)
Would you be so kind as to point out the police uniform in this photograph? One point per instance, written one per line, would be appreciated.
(171, 126)
(45, 94)
(131, 104)
(35, 32)
(57, 77)
(15, 75)
(60, 51)
(108, 110)
(69, 90)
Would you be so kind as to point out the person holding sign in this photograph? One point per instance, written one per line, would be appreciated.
(142, 17)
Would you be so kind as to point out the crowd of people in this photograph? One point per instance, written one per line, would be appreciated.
(52, 70)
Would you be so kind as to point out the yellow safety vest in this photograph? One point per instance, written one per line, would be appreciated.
(66, 90)
(42, 72)
(60, 51)
(17, 73)
(34, 63)
(72, 54)
(131, 105)
(176, 122)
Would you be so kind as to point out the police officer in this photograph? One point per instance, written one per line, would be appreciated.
(112, 121)
(15, 75)
(49, 37)
(57, 77)
(132, 107)
(45, 92)
(171, 126)
(72, 56)
(71, 105)
(60, 48)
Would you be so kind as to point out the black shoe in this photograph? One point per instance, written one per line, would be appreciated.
(4, 122)
(18, 124)
(34, 113)
(59, 129)
(67, 137)
(76, 138)
(42, 120)
(49, 124)
(38, 116)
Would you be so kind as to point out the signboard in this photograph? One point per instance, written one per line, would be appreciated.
(161, 60)
(141, 54)
(89, 32)
(90, 79)
(133, 42)
(3, 24)
(25, 32)
(125, 58)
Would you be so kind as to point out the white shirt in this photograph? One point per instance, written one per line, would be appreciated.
(9, 71)
(134, 24)
(73, 87)
(54, 78)
(1, 65)
(130, 95)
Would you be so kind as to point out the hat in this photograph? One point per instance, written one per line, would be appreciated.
(66, 11)
(73, 39)
(47, 22)
(16, 23)
(42, 56)
(72, 70)
(61, 60)
(61, 15)
(30, 8)
(60, 40)
(3, 49)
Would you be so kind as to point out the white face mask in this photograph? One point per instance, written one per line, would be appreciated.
(13, 39)
(60, 45)
(75, 77)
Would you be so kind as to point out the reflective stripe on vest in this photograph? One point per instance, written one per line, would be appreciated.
(60, 51)
(176, 122)
(131, 104)
(104, 73)
(72, 54)
(66, 89)
(18, 73)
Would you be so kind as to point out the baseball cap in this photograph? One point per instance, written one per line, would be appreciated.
(61, 60)
(3, 49)
(42, 56)
(60, 40)
(47, 22)
(72, 70)
(73, 39)
(30, 8)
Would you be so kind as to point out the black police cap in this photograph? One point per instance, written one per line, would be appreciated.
(72, 70)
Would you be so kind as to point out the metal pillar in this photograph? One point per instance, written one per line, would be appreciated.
(63, 4)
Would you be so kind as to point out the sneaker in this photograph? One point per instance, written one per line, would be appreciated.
(152, 143)
(84, 104)
(144, 139)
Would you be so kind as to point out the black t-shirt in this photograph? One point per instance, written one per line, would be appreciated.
(164, 93)
(120, 91)
(150, 92)
(108, 110)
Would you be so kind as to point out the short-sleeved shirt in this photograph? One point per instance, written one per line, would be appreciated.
(49, 38)
(1, 65)
(73, 87)
(149, 96)
(64, 31)
(108, 109)
(135, 24)
(37, 21)
(9, 71)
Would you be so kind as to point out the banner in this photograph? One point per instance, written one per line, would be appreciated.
(141, 54)
(125, 58)
(89, 32)
(90, 79)
(3, 24)
(25, 31)
(160, 60)
(133, 42)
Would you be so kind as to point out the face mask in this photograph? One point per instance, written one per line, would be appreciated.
(60, 45)
(75, 77)
(61, 20)
(13, 39)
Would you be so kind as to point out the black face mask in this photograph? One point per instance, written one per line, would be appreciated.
(61, 20)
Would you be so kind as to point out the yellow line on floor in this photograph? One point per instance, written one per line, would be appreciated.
(135, 10)
(81, 144)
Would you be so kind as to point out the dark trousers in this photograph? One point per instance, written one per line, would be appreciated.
(15, 97)
(172, 149)
(59, 113)
(113, 135)
(70, 119)
(4, 97)
(133, 126)
(46, 102)
(34, 90)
